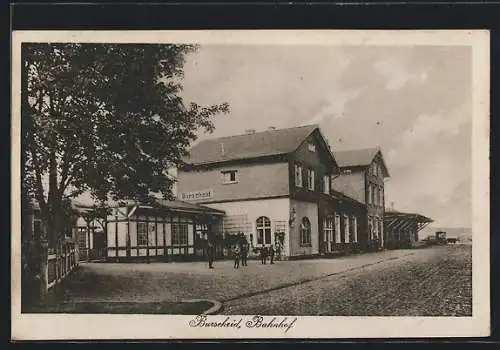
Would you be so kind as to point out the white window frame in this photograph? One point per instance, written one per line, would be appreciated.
(262, 227)
(226, 177)
(326, 184)
(142, 234)
(338, 237)
(305, 232)
(180, 237)
(310, 179)
(311, 147)
(354, 228)
(346, 228)
(298, 176)
(152, 234)
(328, 224)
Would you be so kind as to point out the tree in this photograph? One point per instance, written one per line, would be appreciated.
(107, 119)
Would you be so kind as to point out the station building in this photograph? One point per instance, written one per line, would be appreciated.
(362, 176)
(275, 183)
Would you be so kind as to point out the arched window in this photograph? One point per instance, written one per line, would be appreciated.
(263, 226)
(305, 232)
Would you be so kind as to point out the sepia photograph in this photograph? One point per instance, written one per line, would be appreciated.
(250, 184)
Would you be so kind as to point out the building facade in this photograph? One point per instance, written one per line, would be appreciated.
(362, 177)
(171, 230)
(273, 184)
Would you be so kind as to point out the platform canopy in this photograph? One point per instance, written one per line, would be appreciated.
(399, 221)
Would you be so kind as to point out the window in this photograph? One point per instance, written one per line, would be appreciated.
(229, 177)
(347, 229)
(373, 196)
(337, 229)
(152, 234)
(179, 233)
(311, 147)
(279, 228)
(201, 231)
(375, 229)
(354, 229)
(82, 238)
(305, 232)
(142, 233)
(326, 184)
(263, 226)
(381, 197)
(369, 193)
(328, 228)
(310, 179)
(298, 175)
(376, 195)
(370, 227)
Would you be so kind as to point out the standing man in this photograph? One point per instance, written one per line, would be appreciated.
(271, 253)
(237, 256)
(244, 252)
(210, 253)
(263, 255)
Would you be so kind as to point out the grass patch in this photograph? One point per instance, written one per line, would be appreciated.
(164, 307)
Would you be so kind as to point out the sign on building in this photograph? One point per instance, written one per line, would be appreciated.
(197, 195)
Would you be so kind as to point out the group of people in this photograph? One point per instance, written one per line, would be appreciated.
(240, 253)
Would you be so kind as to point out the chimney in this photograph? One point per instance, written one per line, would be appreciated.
(221, 149)
(392, 205)
(250, 131)
(271, 128)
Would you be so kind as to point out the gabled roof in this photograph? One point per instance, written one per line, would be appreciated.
(359, 158)
(251, 145)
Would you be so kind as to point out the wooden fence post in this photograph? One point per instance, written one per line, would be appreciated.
(43, 273)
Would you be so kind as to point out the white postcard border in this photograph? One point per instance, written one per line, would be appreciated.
(85, 327)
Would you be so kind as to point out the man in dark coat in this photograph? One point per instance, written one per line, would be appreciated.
(244, 252)
(263, 255)
(210, 253)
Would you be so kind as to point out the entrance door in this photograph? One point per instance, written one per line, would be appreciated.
(328, 224)
(200, 238)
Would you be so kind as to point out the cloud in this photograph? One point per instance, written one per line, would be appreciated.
(398, 75)
(334, 107)
(412, 101)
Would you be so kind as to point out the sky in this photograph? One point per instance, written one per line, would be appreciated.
(414, 102)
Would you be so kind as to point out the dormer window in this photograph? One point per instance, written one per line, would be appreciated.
(229, 177)
(311, 147)
(326, 184)
(310, 179)
(298, 176)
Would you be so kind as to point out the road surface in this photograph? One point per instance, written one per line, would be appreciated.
(434, 282)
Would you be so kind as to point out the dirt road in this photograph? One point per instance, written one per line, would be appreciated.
(433, 282)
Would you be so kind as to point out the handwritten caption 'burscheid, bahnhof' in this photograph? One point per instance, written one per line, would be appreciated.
(256, 322)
